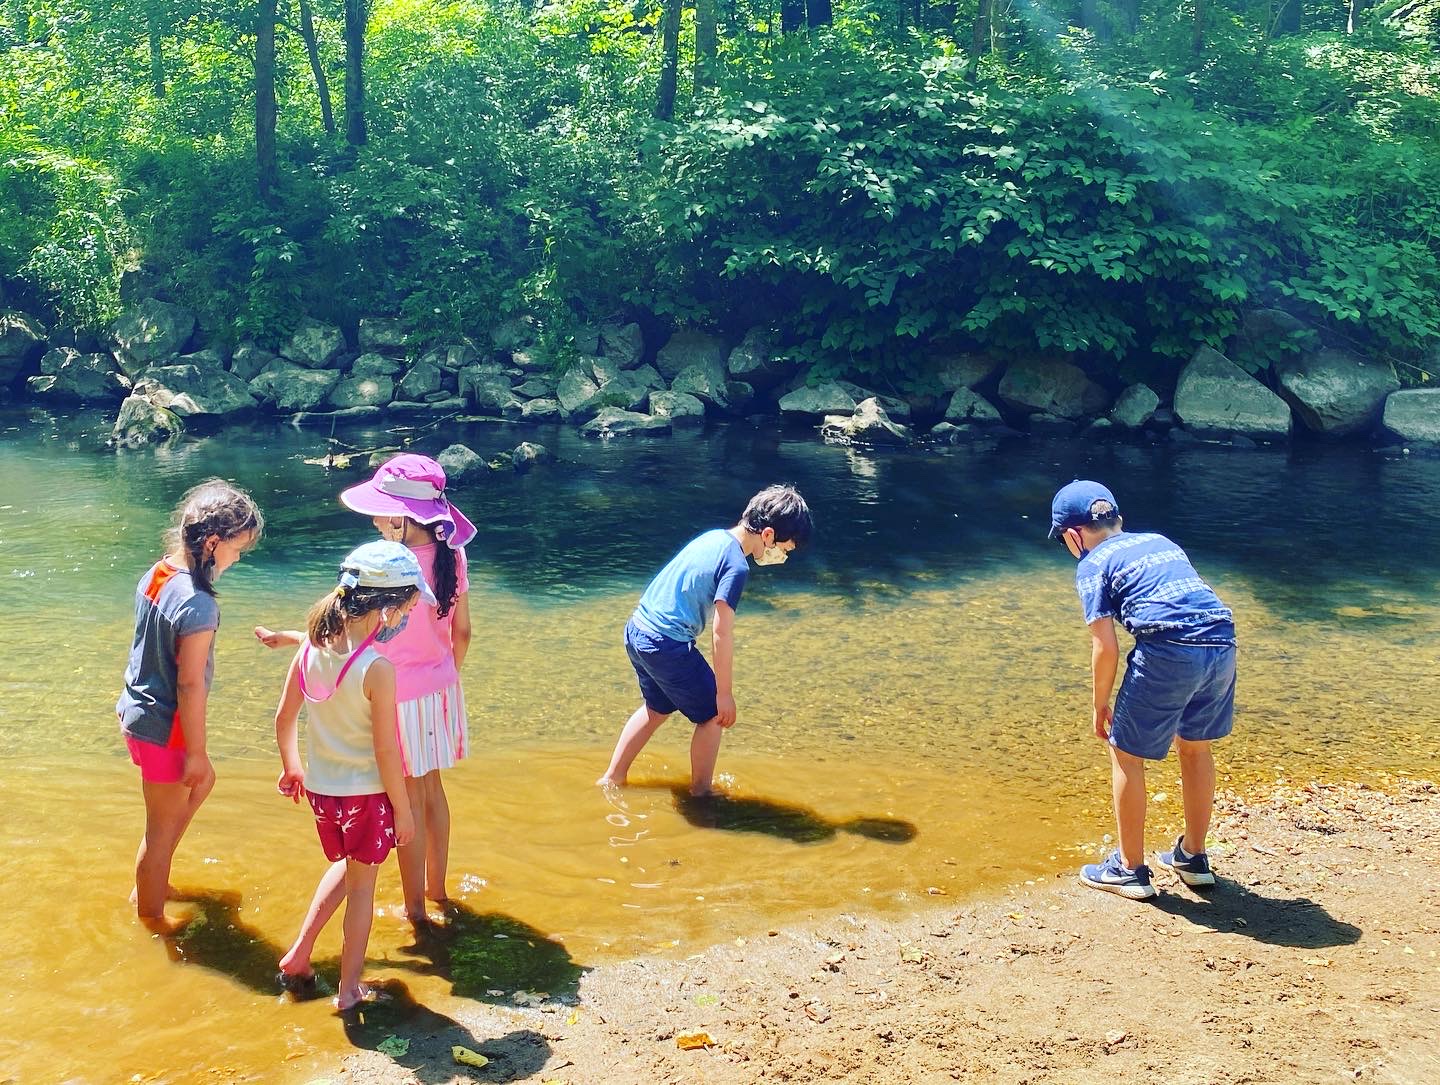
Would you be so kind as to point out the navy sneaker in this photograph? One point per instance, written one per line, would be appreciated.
(1194, 870)
(1114, 876)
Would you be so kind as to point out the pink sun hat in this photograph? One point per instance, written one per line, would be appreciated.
(413, 486)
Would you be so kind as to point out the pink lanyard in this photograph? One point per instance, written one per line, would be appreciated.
(344, 667)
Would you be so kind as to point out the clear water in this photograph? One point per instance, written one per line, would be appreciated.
(912, 691)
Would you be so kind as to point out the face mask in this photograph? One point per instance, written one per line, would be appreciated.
(773, 555)
(386, 633)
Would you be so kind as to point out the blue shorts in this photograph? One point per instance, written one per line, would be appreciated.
(673, 675)
(1173, 689)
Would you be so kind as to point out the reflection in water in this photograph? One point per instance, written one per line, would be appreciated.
(738, 814)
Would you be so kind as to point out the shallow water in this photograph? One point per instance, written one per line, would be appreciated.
(912, 691)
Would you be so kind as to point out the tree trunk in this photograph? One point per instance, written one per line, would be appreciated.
(1197, 28)
(155, 32)
(265, 171)
(670, 61)
(1357, 8)
(980, 29)
(1286, 17)
(355, 19)
(312, 50)
(705, 44)
(792, 15)
(818, 13)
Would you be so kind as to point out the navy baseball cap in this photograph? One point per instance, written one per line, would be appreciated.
(1081, 502)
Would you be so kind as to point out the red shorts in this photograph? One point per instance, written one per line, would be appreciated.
(359, 827)
(158, 764)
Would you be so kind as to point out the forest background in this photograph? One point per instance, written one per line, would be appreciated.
(870, 180)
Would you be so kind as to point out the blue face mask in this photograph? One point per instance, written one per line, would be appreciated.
(387, 633)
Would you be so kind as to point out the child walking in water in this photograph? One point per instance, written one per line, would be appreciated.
(352, 776)
(406, 501)
(167, 679)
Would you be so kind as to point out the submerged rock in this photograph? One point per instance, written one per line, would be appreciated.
(527, 454)
(679, 407)
(613, 422)
(1135, 406)
(141, 422)
(869, 425)
(460, 462)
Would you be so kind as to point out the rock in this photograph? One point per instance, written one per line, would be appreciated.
(22, 342)
(452, 358)
(705, 381)
(602, 369)
(625, 390)
(897, 408)
(80, 339)
(543, 409)
(516, 333)
(576, 391)
(294, 388)
(459, 462)
(822, 399)
(1335, 393)
(950, 434)
(314, 344)
(209, 358)
(376, 365)
(139, 283)
(585, 338)
(753, 362)
(527, 454)
(613, 422)
(690, 347)
(1051, 425)
(198, 390)
(249, 361)
(531, 360)
(957, 371)
(970, 407)
(423, 379)
(869, 425)
(623, 343)
(152, 330)
(679, 407)
(740, 395)
(1135, 406)
(1162, 419)
(1100, 426)
(141, 423)
(1266, 335)
(488, 393)
(383, 335)
(1216, 397)
(446, 405)
(362, 392)
(1050, 386)
(69, 376)
(650, 375)
(531, 387)
(364, 413)
(1414, 415)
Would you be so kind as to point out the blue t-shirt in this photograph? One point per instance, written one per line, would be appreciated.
(1147, 582)
(679, 601)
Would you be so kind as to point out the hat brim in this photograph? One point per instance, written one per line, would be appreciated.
(369, 500)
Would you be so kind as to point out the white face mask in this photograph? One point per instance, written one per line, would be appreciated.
(772, 555)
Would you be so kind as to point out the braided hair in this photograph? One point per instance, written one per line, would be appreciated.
(214, 507)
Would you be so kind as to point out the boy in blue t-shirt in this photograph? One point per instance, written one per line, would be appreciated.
(1179, 684)
(705, 578)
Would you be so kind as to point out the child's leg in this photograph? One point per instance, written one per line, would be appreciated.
(704, 750)
(168, 810)
(643, 723)
(359, 914)
(437, 838)
(412, 856)
(1127, 783)
(328, 895)
(1197, 788)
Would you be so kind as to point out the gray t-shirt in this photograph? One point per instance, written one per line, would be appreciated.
(168, 606)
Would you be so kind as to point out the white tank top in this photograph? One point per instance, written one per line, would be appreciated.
(340, 744)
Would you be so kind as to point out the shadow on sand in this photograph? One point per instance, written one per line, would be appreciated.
(784, 820)
(1232, 908)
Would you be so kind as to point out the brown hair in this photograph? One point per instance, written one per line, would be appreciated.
(214, 507)
(447, 579)
(782, 508)
(326, 620)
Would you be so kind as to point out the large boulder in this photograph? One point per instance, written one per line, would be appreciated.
(957, 371)
(869, 425)
(314, 345)
(1051, 386)
(680, 407)
(1215, 397)
(513, 333)
(543, 409)
(527, 454)
(149, 332)
(1135, 406)
(424, 377)
(460, 461)
(613, 422)
(690, 347)
(249, 361)
(488, 393)
(967, 407)
(753, 361)
(362, 392)
(22, 342)
(294, 388)
(383, 335)
(577, 391)
(532, 359)
(1414, 415)
(819, 400)
(452, 358)
(1334, 392)
(371, 364)
(623, 343)
(534, 386)
(625, 390)
(198, 390)
(898, 409)
(68, 376)
(141, 422)
(704, 381)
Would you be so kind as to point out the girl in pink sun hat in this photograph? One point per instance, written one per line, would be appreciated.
(406, 501)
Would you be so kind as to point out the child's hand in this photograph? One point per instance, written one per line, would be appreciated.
(291, 784)
(272, 639)
(404, 827)
(725, 710)
(1101, 723)
(198, 771)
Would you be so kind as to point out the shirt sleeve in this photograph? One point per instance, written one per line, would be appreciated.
(198, 614)
(1093, 587)
(734, 571)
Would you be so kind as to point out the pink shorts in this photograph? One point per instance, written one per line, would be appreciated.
(158, 764)
(359, 827)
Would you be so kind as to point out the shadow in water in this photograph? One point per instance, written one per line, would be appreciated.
(430, 1035)
(787, 821)
(218, 939)
(1278, 921)
(482, 953)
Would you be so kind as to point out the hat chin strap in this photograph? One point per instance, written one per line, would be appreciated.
(404, 487)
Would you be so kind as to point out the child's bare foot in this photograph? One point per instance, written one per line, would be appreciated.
(163, 925)
(360, 994)
(609, 782)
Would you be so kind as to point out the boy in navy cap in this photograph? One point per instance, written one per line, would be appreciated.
(1179, 684)
(705, 578)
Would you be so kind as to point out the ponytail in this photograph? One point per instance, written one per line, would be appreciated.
(214, 507)
(446, 580)
(326, 620)
(325, 623)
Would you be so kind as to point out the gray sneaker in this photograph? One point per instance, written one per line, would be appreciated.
(1194, 870)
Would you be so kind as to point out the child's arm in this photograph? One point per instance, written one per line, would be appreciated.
(278, 639)
(723, 640)
(1104, 659)
(380, 688)
(287, 716)
(460, 630)
(193, 654)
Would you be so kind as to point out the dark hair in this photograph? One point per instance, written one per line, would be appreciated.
(214, 507)
(327, 618)
(780, 507)
(446, 579)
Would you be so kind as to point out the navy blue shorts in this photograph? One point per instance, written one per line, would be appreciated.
(674, 676)
(1173, 689)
